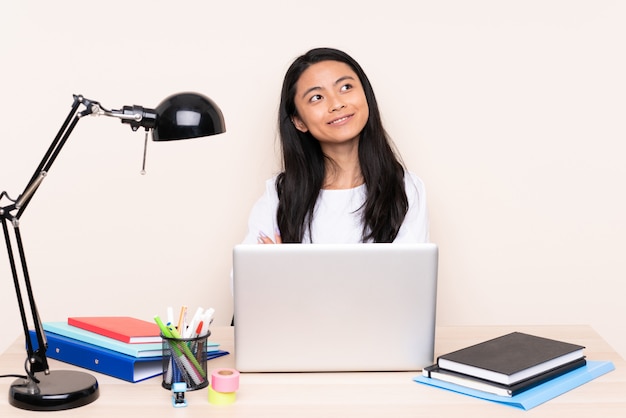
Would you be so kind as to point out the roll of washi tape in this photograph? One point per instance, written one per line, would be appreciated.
(221, 398)
(225, 380)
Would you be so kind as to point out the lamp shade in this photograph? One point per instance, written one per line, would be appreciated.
(187, 115)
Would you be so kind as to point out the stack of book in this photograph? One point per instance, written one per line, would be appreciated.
(123, 347)
(517, 369)
(509, 364)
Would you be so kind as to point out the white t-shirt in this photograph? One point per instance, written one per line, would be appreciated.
(336, 219)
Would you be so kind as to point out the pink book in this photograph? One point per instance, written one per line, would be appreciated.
(123, 328)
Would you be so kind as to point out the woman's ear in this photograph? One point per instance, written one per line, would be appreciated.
(297, 122)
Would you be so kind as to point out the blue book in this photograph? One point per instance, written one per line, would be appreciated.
(135, 350)
(536, 395)
(105, 361)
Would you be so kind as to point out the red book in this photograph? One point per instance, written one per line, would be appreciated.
(123, 328)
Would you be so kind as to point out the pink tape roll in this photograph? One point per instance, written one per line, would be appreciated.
(225, 380)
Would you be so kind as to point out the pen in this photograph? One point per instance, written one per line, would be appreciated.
(199, 349)
(182, 363)
(193, 324)
(193, 336)
(207, 318)
(167, 334)
(198, 329)
(164, 329)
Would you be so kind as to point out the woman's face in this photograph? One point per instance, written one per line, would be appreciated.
(330, 103)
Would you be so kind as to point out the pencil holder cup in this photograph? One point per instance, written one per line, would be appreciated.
(184, 360)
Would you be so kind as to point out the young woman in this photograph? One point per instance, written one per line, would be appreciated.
(342, 181)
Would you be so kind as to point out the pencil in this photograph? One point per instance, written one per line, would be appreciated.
(181, 319)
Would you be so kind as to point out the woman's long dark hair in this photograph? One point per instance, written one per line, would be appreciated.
(301, 180)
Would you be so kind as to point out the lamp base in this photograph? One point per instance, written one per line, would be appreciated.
(59, 390)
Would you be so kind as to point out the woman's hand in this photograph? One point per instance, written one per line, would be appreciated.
(264, 239)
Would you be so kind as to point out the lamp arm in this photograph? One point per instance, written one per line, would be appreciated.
(48, 159)
(36, 361)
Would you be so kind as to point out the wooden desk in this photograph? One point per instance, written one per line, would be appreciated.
(388, 395)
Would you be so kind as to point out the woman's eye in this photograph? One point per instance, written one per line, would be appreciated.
(346, 87)
(315, 98)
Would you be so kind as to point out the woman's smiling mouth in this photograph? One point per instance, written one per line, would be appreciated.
(339, 120)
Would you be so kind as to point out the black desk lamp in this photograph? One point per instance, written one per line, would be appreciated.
(180, 116)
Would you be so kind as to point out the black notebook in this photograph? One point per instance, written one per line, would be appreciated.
(435, 372)
(511, 358)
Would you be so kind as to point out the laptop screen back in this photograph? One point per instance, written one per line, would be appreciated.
(334, 307)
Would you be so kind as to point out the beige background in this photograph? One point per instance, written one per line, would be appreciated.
(512, 112)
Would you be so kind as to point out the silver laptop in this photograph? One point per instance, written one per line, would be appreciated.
(334, 307)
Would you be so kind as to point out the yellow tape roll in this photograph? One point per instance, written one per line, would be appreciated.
(221, 398)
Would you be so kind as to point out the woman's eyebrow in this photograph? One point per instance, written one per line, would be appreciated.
(339, 80)
(306, 93)
(344, 78)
